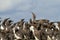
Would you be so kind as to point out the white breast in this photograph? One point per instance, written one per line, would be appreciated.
(36, 38)
(53, 37)
(32, 28)
(56, 24)
(17, 37)
(2, 28)
(48, 38)
(1, 38)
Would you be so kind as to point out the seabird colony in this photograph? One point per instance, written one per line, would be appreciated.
(33, 29)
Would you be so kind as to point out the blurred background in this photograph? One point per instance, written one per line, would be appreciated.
(18, 9)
